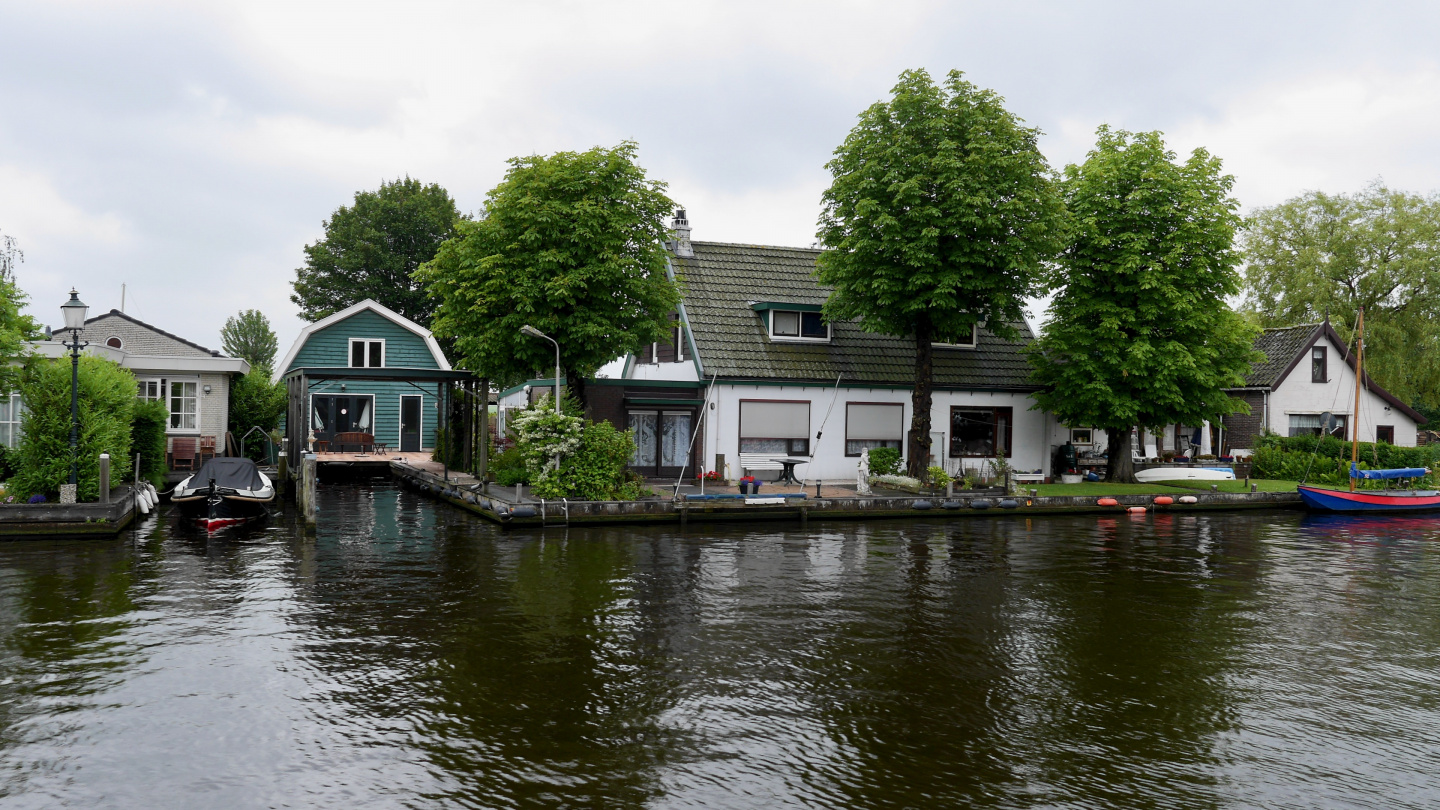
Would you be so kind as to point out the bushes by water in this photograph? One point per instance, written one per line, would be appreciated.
(107, 407)
(1327, 461)
(884, 461)
(147, 437)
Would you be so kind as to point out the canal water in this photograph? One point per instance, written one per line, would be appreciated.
(410, 655)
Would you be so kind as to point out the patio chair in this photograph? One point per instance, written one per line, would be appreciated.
(183, 453)
(207, 448)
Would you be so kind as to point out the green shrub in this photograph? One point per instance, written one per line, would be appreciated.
(509, 468)
(884, 461)
(937, 477)
(597, 470)
(107, 405)
(256, 402)
(1327, 459)
(147, 437)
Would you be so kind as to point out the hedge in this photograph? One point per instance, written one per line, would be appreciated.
(107, 405)
(1326, 460)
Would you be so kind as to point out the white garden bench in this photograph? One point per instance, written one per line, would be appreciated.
(759, 461)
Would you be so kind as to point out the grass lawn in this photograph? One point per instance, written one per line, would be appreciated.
(1100, 489)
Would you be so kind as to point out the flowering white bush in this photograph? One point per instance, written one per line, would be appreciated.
(902, 481)
(541, 435)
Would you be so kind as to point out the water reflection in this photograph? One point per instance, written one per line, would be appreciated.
(410, 655)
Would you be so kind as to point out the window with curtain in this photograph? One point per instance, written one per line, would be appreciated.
(10, 412)
(870, 425)
(980, 432)
(770, 426)
(1308, 424)
(184, 406)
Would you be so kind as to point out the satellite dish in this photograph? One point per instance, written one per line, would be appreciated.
(1327, 423)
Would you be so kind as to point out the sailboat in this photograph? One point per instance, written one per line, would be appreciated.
(1385, 500)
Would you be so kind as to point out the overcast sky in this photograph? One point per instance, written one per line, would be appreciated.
(190, 150)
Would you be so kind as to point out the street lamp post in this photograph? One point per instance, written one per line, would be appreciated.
(74, 311)
(527, 329)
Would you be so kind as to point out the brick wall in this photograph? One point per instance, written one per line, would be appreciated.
(1242, 429)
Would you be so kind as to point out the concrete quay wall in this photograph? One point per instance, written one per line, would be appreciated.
(579, 513)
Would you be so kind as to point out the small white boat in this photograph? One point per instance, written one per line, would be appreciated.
(1185, 474)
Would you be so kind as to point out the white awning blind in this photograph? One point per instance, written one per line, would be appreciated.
(774, 420)
(883, 422)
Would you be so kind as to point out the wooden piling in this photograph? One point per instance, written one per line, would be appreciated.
(282, 473)
(104, 478)
(308, 468)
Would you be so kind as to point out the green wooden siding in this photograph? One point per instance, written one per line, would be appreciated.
(387, 406)
(331, 346)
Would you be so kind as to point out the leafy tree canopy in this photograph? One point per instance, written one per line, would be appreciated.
(1139, 332)
(940, 216)
(572, 244)
(1321, 255)
(249, 335)
(372, 248)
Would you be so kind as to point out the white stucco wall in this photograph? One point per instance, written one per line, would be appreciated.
(722, 425)
(1296, 394)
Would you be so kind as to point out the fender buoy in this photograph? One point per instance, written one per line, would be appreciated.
(951, 505)
(1009, 503)
(1137, 510)
(920, 505)
(1107, 502)
(1189, 499)
(980, 503)
(1164, 500)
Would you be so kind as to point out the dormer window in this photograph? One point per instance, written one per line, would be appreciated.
(794, 325)
(366, 353)
(974, 339)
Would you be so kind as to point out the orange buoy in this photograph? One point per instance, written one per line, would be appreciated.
(1107, 502)
(1137, 510)
(1164, 500)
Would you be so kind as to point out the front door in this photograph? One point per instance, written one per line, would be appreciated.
(662, 441)
(410, 423)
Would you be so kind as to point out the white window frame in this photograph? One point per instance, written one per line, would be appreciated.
(1089, 436)
(160, 397)
(117, 339)
(799, 315)
(974, 340)
(350, 352)
(169, 392)
(17, 410)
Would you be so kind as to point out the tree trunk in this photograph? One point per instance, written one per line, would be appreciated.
(920, 399)
(576, 385)
(1120, 464)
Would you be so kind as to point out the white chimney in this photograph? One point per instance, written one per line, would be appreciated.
(680, 227)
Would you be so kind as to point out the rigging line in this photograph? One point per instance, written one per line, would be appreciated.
(821, 432)
(694, 434)
(1321, 434)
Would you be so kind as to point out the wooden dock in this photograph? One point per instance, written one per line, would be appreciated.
(22, 521)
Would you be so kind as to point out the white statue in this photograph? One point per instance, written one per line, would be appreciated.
(862, 477)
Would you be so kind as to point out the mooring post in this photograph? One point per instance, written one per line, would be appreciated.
(282, 472)
(104, 478)
(308, 482)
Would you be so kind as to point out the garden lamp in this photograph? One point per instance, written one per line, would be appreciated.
(74, 311)
(527, 329)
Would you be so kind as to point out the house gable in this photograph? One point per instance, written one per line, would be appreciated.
(138, 337)
(326, 343)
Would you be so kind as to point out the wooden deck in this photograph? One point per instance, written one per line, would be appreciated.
(422, 457)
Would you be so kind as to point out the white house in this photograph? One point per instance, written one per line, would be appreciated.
(753, 369)
(192, 381)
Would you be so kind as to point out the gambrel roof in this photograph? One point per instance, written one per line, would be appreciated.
(373, 306)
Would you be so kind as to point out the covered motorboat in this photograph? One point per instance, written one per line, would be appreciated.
(225, 491)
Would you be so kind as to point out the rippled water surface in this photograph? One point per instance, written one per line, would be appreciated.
(410, 655)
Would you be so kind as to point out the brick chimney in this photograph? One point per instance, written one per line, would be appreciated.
(680, 229)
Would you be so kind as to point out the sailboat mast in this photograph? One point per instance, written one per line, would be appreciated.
(1359, 370)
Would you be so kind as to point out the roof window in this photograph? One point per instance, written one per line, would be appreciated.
(789, 324)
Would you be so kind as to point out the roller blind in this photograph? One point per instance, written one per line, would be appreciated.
(774, 420)
(874, 421)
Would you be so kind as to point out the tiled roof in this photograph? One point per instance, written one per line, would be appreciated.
(1281, 346)
(721, 282)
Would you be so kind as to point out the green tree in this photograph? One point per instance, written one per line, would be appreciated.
(572, 244)
(255, 402)
(940, 216)
(371, 250)
(107, 403)
(1321, 255)
(248, 335)
(1139, 332)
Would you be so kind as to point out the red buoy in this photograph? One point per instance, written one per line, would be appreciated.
(1137, 510)
(1164, 500)
(1107, 502)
